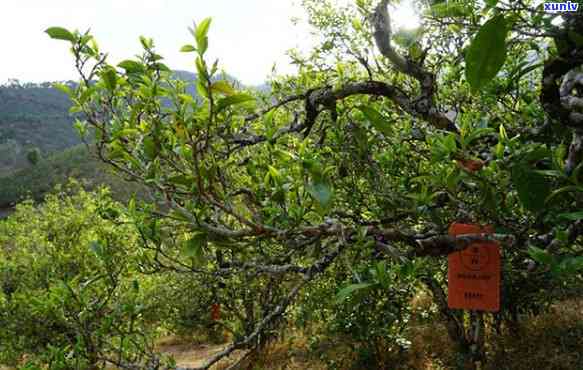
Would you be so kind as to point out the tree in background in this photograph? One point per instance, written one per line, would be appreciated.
(357, 164)
(69, 291)
(33, 156)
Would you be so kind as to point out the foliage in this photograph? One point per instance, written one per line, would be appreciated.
(370, 313)
(361, 156)
(70, 295)
(33, 156)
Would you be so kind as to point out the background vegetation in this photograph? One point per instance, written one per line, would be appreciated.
(314, 213)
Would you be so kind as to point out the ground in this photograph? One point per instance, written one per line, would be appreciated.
(553, 340)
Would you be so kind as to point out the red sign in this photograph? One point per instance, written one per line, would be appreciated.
(215, 312)
(474, 273)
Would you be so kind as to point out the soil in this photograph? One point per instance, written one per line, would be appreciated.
(187, 355)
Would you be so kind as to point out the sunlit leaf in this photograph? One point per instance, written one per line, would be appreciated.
(233, 100)
(533, 188)
(187, 49)
(59, 33)
(376, 119)
(132, 66)
(574, 216)
(223, 87)
(322, 192)
(345, 292)
(487, 53)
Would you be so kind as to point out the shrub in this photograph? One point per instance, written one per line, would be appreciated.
(70, 295)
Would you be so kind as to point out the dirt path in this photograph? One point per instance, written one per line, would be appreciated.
(187, 355)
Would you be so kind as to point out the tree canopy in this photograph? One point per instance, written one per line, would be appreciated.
(361, 160)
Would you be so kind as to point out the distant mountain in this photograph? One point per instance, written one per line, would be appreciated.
(33, 116)
(36, 116)
(76, 162)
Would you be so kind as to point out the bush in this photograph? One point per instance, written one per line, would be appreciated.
(70, 295)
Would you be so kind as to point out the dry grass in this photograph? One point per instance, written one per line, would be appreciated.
(553, 340)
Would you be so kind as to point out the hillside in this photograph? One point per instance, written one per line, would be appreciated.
(36, 116)
(33, 116)
(76, 162)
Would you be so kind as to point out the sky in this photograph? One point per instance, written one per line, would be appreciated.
(247, 36)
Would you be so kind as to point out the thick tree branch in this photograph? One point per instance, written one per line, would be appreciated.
(277, 311)
(423, 105)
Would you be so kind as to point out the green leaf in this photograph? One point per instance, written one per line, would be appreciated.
(97, 248)
(475, 134)
(59, 33)
(450, 143)
(559, 156)
(201, 69)
(565, 189)
(128, 132)
(314, 168)
(146, 42)
(500, 150)
(450, 9)
(405, 38)
(162, 67)
(376, 119)
(109, 77)
(202, 45)
(132, 66)
(487, 53)
(550, 173)
(187, 49)
(346, 291)
(233, 100)
(81, 127)
(194, 247)
(443, 146)
(524, 71)
(571, 265)
(201, 35)
(203, 28)
(574, 216)
(503, 135)
(223, 87)
(183, 180)
(274, 173)
(150, 148)
(186, 98)
(541, 256)
(381, 274)
(63, 88)
(201, 88)
(533, 188)
(322, 192)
